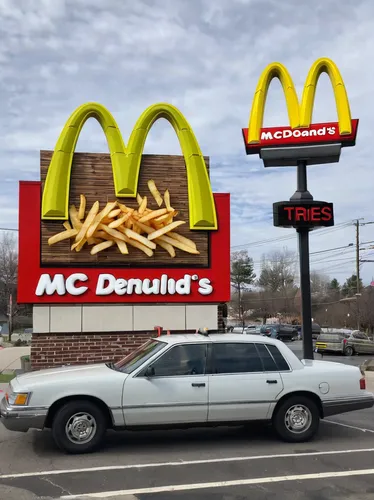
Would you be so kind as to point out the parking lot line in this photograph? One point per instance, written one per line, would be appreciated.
(222, 484)
(184, 462)
(349, 426)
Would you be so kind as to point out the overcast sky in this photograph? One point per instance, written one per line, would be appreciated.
(205, 57)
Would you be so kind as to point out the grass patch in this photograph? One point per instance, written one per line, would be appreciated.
(6, 377)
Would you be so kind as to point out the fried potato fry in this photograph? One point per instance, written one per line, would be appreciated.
(165, 217)
(119, 222)
(165, 229)
(122, 247)
(141, 239)
(67, 225)
(143, 205)
(178, 244)
(144, 227)
(93, 241)
(101, 246)
(114, 213)
(82, 207)
(74, 219)
(112, 232)
(124, 208)
(89, 219)
(166, 246)
(182, 239)
(155, 192)
(100, 216)
(139, 199)
(140, 246)
(167, 201)
(64, 235)
(153, 215)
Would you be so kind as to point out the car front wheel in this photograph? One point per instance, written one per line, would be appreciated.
(297, 419)
(79, 427)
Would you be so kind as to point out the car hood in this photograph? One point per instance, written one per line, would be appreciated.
(62, 374)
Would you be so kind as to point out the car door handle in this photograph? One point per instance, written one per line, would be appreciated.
(198, 385)
(272, 381)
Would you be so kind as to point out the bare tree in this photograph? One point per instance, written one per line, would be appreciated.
(278, 271)
(8, 277)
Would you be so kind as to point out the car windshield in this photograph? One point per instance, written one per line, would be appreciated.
(139, 356)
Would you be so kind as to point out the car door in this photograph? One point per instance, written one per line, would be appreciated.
(367, 344)
(174, 391)
(239, 386)
(357, 342)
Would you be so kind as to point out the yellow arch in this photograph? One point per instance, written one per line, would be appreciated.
(274, 70)
(126, 162)
(325, 65)
(299, 115)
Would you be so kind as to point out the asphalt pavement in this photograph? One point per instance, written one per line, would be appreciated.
(203, 464)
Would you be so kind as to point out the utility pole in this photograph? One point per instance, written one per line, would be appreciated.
(357, 224)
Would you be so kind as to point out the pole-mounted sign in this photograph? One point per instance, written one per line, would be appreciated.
(302, 143)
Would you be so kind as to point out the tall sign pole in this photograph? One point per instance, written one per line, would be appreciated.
(301, 144)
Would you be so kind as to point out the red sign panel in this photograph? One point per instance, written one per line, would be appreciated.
(318, 133)
(65, 284)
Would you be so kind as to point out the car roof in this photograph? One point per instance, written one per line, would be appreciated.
(214, 337)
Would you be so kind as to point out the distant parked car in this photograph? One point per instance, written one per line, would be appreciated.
(280, 332)
(345, 343)
(316, 330)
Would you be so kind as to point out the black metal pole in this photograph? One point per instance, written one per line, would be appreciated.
(302, 194)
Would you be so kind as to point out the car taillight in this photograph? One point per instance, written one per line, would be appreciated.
(363, 383)
(344, 341)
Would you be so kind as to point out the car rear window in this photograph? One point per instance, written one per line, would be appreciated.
(267, 359)
(281, 363)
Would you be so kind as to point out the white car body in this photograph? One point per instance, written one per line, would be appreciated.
(139, 401)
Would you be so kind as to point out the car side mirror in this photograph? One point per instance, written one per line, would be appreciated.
(150, 372)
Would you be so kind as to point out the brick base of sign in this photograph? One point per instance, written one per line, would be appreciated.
(56, 349)
(51, 347)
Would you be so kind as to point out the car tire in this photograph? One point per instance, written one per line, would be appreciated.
(349, 351)
(73, 420)
(296, 420)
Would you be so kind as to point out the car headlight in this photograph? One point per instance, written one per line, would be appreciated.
(17, 398)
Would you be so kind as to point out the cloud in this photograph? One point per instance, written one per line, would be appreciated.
(204, 57)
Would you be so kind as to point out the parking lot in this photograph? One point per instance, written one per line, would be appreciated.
(213, 464)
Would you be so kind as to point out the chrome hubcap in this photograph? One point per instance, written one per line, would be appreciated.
(298, 419)
(80, 428)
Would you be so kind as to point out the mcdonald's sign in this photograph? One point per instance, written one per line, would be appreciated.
(124, 226)
(301, 130)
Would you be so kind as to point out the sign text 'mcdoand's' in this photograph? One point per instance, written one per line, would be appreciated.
(107, 284)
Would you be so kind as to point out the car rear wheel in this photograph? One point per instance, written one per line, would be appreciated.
(349, 351)
(79, 427)
(297, 419)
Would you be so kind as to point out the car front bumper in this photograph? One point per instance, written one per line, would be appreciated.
(337, 406)
(21, 419)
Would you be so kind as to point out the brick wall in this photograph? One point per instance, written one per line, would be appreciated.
(220, 322)
(56, 349)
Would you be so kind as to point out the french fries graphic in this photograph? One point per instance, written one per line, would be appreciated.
(123, 227)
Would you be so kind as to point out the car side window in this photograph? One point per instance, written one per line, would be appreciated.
(235, 358)
(181, 360)
(281, 363)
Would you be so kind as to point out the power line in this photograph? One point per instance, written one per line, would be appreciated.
(323, 232)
